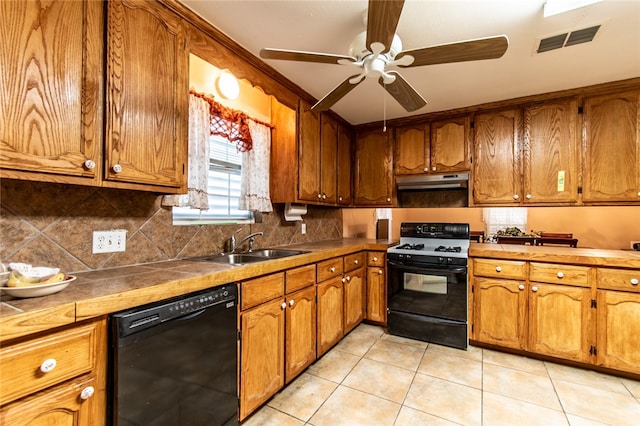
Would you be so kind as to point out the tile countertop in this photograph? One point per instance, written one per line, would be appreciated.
(106, 291)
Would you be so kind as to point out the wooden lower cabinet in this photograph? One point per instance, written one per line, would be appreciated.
(618, 330)
(330, 314)
(376, 295)
(262, 368)
(300, 331)
(354, 298)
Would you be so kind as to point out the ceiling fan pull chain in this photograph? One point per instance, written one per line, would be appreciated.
(384, 109)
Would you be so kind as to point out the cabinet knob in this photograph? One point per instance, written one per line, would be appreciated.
(116, 168)
(388, 200)
(426, 169)
(528, 196)
(90, 164)
(355, 262)
(634, 281)
(534, 288)
(343, 280)
(375, 259)
(516, 196)
(433, 168)
(48, 365)
(379, 271)
(521, 287)
(283, 305)
(560, 274)
(291, 302)
(87, 392)
(324, 196)
(498, 268)
(332, 269)
(348, 278)
(319, 196)
(638, 194)
(340, 198)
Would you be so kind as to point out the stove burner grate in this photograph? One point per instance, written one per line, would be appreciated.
(408, 246)
(456, 249)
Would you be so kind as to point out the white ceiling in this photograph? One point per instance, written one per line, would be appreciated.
(330, 25)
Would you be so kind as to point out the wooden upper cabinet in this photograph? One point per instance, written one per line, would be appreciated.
(343, 166)
(450, 140)
(283, 177)
(147, 97)
(551, 152)
(611, 147)
(373, 180)
(412, 150)
(51, 86)
(308, 153)
(329, 152)
(497, 157)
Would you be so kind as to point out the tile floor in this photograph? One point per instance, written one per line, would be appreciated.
(372, 378)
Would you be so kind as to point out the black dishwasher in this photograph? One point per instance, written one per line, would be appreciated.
(175, 362)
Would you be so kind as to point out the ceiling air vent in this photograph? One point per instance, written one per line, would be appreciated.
(567, 39)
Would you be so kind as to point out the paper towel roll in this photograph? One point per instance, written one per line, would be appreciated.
(293, 211)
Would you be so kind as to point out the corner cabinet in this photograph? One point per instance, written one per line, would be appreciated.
(497, 158)
(147, 86)
(612, 148)
(51, 86)
(373, 180)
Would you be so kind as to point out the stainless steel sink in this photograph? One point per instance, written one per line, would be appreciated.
(261, 255)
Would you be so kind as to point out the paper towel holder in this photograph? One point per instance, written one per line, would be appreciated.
(294, 211)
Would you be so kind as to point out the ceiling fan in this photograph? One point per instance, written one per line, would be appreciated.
(379, 47)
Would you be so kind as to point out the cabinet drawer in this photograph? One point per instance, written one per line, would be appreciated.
(375, 258)
(298, 278)
(498, 268)
(260, 290)
(559, 274)
(329, 269)
(353, 261)
(618, 279)
(44, 361)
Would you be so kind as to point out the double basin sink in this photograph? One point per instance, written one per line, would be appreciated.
(251, 257)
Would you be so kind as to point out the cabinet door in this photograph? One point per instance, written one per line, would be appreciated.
(619, 330)
(344, 166)
(612, 148)
(147, 96)
(500, 312)
(51, 89)
(60, 406)
(283, 181)
(300, 331)
(330, 314)
(261, 354)
(411, 150)
(376, 295)
(551, 152)
(329, 153)
(450, 145)
(374, 165)
(308, 153)
(497, 159)
(560, 321)
(354, 298)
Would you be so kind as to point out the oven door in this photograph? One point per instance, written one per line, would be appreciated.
(424, 289)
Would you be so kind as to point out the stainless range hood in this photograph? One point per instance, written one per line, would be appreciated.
(425, 182)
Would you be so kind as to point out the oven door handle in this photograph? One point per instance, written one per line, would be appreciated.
(425, 269)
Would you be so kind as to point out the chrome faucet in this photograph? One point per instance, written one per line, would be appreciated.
(250, 237)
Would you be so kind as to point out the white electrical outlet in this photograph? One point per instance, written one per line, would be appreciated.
(303, 228)
(109, 241)
(631, 243)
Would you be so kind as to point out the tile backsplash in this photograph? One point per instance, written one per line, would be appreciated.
(52, 225)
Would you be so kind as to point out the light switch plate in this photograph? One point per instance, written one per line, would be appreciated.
(109, 241)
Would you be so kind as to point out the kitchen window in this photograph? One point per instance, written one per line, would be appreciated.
(225, 168)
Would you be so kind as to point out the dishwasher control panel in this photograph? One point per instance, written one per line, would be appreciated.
(143, 317)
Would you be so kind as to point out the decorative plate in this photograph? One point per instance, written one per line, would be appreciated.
(38, 290)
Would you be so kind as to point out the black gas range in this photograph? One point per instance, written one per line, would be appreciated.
(427, 283)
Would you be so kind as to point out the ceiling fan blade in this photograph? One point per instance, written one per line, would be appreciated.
(296, 55)
(382, 21)
(336, 94)
(471, 50)
(403, 92)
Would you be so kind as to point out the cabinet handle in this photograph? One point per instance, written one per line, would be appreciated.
(426, 169)
(638, 194)
(48, 365)
(332, 269)
(521, 287)
(343, 279)
(379, 271)
(355, 262)
(433, 168)
(516, 196)
(375, 259)
(534, 288)
(348, 278)
(634, 281)
(90, 164)
(324, 196)
(498, 268)
(283, 305)
(117, 168)
(87, 392)
(560, 274)
(340, 198)
(528, 196)
(388, 200)
(319, 196)
(291, 302)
